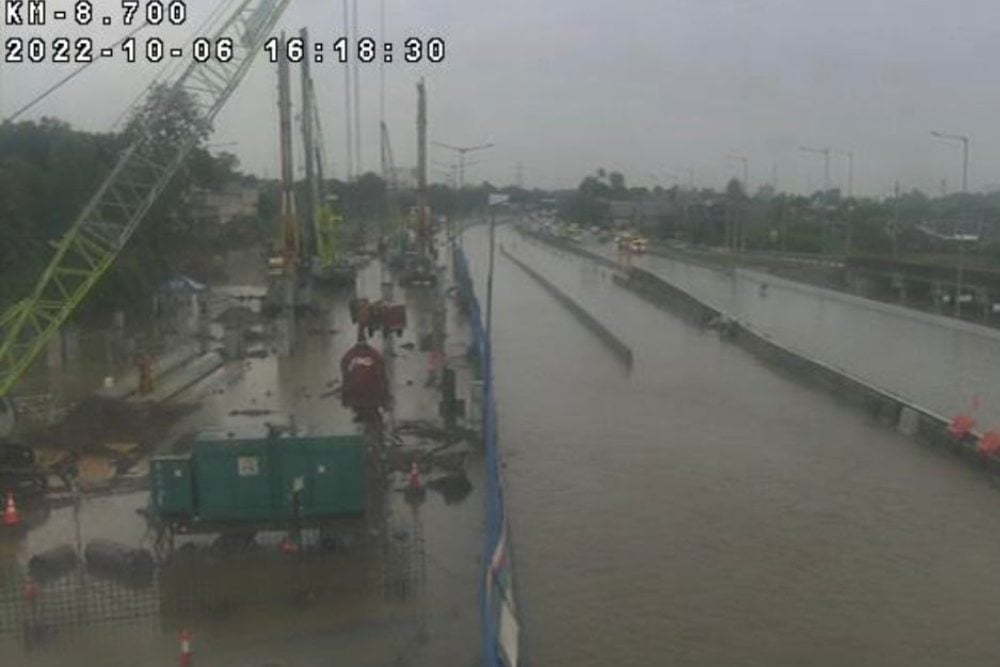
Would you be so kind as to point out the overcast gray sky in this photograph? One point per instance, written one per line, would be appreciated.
(642, 86)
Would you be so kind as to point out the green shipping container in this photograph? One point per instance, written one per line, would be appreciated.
(235, 479)
(171, 486)
(328, 472)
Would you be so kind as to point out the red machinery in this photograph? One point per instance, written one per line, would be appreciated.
(365, 385)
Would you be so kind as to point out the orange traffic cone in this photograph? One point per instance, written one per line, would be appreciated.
(11, 517)
(187, 654)
(288, 546)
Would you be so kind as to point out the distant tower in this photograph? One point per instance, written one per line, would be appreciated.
(519, 175)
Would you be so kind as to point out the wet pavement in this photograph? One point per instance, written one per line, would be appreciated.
(413, 600)
(934, 361)
(705, 510)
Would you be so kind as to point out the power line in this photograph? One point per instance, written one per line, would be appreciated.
(175, 66)
(69, 77)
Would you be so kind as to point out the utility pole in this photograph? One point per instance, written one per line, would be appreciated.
(348, 108)
(357, 93)
(959, 236)
(289, 226)
(895, 220)
(739, 234)
(422, 199)
(308, 148)
(825, 152)
(381, 69)
(850, 171)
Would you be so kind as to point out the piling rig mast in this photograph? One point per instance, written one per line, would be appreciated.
(143, 170)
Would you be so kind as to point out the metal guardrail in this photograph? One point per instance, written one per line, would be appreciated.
(500, 618)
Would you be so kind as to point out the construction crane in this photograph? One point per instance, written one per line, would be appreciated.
(143, 170)
(423, 201)
(291, 237)
(388, 161)
(310, 148)
(322, 231)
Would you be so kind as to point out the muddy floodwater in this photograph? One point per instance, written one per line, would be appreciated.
(408, 594)
(704, 510)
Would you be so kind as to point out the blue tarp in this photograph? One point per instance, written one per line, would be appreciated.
(182, 284)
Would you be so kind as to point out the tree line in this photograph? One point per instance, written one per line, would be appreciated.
(910, 222)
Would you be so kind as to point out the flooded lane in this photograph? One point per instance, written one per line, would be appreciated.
(348, 615)
(705, 510)
(934, 361)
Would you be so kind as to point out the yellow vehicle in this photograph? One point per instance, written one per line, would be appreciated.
(639, 245)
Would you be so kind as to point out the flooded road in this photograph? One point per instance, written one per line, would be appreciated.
(934, 361)
(704, 510)
(418, 604)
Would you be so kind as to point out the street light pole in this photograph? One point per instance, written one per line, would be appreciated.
(965, 155)
(965, 190)
(850, 172)
(462, 151)
(825, 152)
(739, 239)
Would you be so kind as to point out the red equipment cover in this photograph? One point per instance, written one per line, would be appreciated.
(365, 384)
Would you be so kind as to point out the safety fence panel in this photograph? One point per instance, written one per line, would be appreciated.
(501, 623)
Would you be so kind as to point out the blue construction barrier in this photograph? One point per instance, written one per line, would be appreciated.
(501, 624)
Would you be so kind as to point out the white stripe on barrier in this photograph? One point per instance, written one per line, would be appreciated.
(509, 631)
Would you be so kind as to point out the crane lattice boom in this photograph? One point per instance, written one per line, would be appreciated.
(142, 172)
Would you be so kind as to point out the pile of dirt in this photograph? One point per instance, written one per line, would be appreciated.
(96, 422)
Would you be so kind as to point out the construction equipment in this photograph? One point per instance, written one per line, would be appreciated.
(332, 266)
(290, 288)
(253, 478)
(324, 218)
(92, 243)
(394, 235)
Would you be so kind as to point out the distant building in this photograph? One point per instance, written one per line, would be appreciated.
(652, 212)
(622, 213)
(223, 206)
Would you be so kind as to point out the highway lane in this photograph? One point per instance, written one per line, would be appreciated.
(935, 361)
(706, 510)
